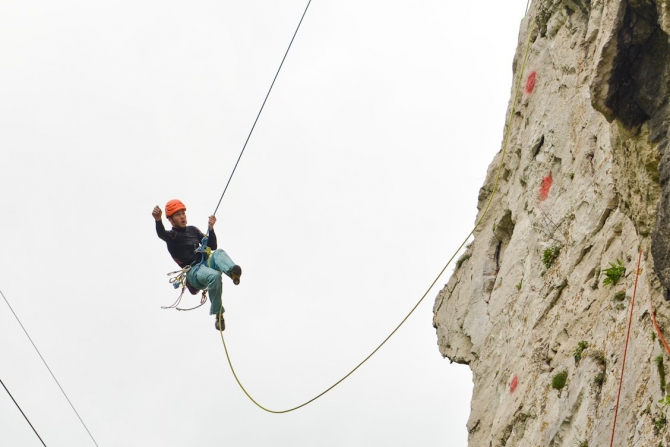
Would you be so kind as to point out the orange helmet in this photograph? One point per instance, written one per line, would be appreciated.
(173, 206)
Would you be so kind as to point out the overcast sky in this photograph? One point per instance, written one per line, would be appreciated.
(358, 184)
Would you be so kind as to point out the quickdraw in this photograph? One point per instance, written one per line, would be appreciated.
(177, 279)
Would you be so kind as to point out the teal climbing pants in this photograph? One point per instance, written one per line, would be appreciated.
(207, 275)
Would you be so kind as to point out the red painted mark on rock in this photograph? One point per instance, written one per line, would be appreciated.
(530, 82)
(546, 186)
(514, 383)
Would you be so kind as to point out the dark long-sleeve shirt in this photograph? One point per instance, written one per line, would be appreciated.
(182, 243)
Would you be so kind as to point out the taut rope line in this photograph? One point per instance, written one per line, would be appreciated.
(49, 369)
(262, 106)
(24, 415)
(204, 241)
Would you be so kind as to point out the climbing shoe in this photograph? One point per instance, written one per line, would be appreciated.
(235, 274)
(223, 323)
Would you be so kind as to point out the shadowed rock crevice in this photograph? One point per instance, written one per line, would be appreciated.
(641, 66)
(503, 232)
(637, 84)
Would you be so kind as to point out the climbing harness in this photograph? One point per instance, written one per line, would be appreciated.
(625, 350)
(479, 221)
(178, 277)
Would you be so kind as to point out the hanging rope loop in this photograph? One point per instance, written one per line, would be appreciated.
(479, 221)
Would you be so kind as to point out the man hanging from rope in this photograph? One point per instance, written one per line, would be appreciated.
(204, 272)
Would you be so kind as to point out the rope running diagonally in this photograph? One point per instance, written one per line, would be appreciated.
(203, 244)
(50, 372)
(262, 106)
(24, 415)
(488, 204)
(625, 350)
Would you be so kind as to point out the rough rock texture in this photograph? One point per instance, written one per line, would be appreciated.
(585, 183)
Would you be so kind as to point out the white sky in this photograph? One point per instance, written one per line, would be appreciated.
(358, 184)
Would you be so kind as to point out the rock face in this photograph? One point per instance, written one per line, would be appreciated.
(584, 188)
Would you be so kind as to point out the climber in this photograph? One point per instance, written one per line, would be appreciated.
(183, 241)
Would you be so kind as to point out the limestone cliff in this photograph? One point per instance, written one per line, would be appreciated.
(584, 187)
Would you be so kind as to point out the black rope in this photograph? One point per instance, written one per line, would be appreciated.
(262, 106)
(24, 415)
(45, 364)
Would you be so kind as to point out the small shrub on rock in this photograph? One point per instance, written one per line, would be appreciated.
(559, 380)
(579, 350)
(549, 255)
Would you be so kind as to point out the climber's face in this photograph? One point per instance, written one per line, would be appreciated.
(178, 219)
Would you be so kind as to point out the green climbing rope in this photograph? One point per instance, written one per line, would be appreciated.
(486, 209)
